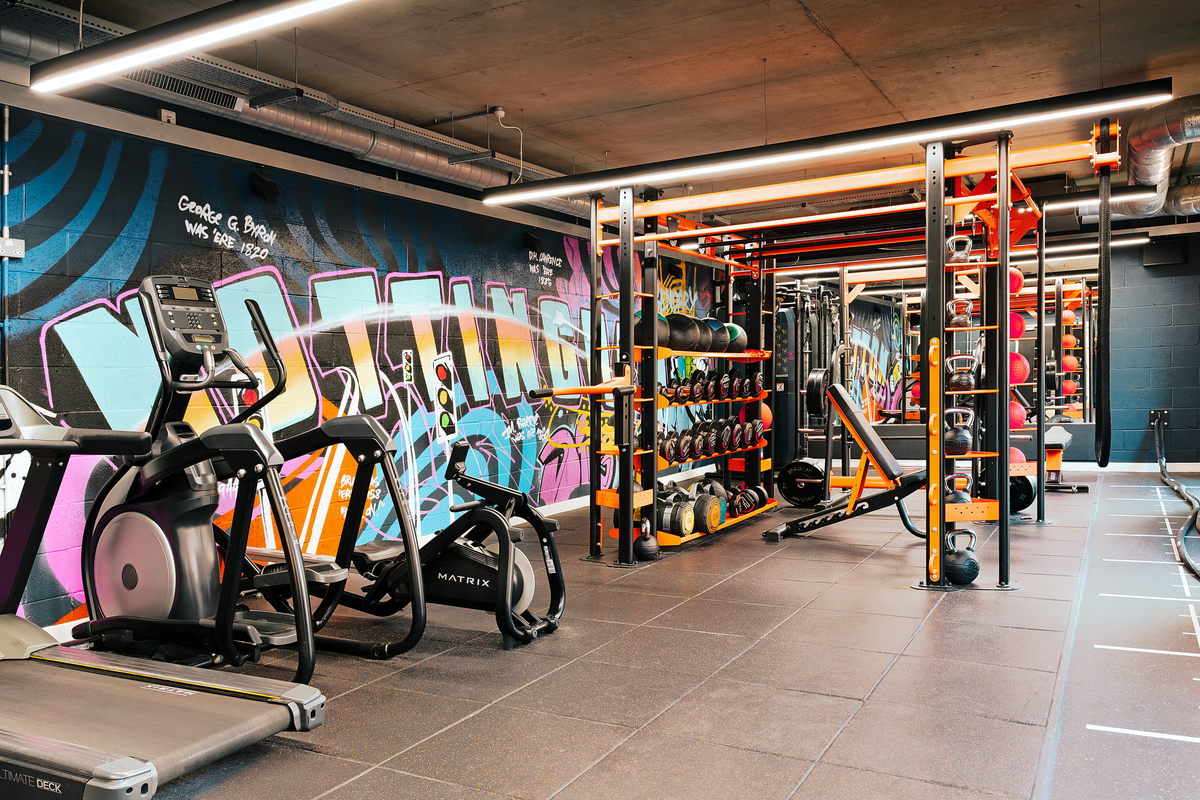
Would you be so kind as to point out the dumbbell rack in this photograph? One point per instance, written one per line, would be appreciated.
(639, 454)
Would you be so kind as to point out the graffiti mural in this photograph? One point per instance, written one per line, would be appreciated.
(364, 292)
(876, 378)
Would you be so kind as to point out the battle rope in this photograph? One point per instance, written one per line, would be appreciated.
(1184, 495)
(1101, 349)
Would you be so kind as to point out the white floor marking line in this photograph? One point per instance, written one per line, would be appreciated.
(1144, 650)
(1175, 549)
(1186, 589)
(1195, 621)
(1144, 516)
(1146, 597)
(1136, 561)
(1143, 499)
(1150, 734)
(1143, 535)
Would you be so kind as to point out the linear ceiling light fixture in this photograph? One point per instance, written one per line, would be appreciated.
(1077, 199)
(168, 40)
(951, 127)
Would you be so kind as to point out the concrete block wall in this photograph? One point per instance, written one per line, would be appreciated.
(1155, 355)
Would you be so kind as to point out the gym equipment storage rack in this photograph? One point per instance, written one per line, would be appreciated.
(636, 447)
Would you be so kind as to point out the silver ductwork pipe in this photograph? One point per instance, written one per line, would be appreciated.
(25, 47)
(1152, 137)
(1183, 201)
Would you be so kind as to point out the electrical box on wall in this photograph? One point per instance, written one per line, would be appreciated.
(1161, 252)
(166, 116)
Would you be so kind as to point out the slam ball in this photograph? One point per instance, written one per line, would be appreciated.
(1016, 415)
(1018, 368)
(1016, 279)
(1016, 325)
(1070, 364)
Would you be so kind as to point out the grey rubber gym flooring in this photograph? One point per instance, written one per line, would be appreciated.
(807, 669)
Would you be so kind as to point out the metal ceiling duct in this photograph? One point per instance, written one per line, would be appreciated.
(1153, 136)
(1183, 201)
(27, 47)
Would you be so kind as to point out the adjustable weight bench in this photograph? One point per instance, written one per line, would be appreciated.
(896, 483)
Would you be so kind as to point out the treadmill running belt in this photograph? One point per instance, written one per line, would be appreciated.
(176, 729)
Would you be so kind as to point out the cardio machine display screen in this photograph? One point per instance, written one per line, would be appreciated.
(188, 296)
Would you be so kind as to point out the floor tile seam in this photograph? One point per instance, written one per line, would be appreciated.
(741, 748)
(992, 717)
(943, 784)
(369, 683)
(443, 782)
(1044, 770)
(345, 783)
(978, 663)
(305, 747)
(496, 702)
(650, 721)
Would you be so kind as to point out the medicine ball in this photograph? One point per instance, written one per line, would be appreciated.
(684, 332)
(720, 335)
(737, 338)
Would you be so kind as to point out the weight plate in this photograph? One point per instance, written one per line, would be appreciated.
(815, 387)
(800, 483)
(1020, 493)
(707, 511)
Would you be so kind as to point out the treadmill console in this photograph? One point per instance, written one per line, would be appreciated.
(186, 314)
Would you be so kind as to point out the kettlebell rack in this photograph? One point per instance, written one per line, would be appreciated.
(636, 442)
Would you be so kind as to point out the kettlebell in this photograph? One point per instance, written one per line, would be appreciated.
(958, 437)
(954, 494)
(961, 566)
(956, 318)
(961, 379)
(958, 249)
(645, 547)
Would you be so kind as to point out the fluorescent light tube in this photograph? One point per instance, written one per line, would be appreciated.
(169, 40)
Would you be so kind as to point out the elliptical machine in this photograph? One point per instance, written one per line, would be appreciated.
(458, 566)
(152, 576)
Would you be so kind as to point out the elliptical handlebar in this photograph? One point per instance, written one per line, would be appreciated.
(514, 502)
(272, 351)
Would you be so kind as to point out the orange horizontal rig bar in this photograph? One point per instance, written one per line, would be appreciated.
(955, 167)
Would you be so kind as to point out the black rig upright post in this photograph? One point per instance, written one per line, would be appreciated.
(1039, 368)
(596, 518)
(625, 362)
(933, 351)
(996, 348)
(646, 398)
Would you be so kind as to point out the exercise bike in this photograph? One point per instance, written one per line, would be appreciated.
(458, 566)
(153, 579)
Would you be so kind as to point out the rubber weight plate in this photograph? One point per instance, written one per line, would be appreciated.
(684, 448)
(677, 518)
(1020, 493)
(815, 387)
(707, 511)
(800, 483)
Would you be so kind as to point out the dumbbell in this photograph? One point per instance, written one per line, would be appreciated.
(742, 501)
(724, 434)
(725, 385)
(757, 426)
(668, 447)
(685, 449)
(677, 518)
(757, 382)
(668, 391)
(699, 383)
(737, 438)
(735, 383)
(700, 441)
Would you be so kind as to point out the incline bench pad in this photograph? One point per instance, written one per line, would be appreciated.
(853, 416)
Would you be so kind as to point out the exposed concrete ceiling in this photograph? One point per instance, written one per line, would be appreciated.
(627, 81)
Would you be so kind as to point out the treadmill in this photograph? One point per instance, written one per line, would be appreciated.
(77, 723)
